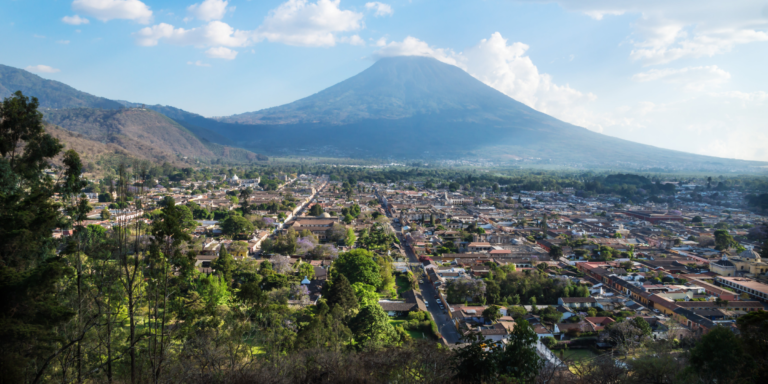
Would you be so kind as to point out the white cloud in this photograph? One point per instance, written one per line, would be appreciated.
(380, 8)
(671, 30)
(41, 69)
(198, 63)
(215, 33)
(411, 46)
(506, 68)
(65, 42)
(106, 10)
(299, 22)
(690, 78)
(221, 53)
(353, 40)
(209, 10)
(38, 36)
(75, 20)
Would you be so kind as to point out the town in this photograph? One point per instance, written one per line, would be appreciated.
(591, 275)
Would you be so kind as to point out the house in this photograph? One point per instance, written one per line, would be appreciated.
(413, 302)
(599, 323)
(317, 225)
(477, 247)
(496, 332)
(573, 328)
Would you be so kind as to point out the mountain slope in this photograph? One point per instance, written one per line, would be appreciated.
(143, 133)
(418, 107)
(396, 88)
(51, 94)
(101, 127)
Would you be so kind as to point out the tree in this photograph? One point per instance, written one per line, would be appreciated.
(516, 312)
(306, 270)
(341, 294)
(492, 314)
(697, 220)
(316, 210)
(723, 240)
(371, 327)
(482, 361)
(224, 265)
(336, 233)
(555, 252)
(718, 356)
(549, 341)
(358, 266)
(753, 328)
(245, 195)
(31, 272)
(234, 225)
(625, 335)
(105, 214)
(350, 237)
(643, 326)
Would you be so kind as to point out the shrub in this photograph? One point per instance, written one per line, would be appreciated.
(549, 342)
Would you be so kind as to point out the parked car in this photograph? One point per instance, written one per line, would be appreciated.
(426, 304)
(439, 302)
(421, 281)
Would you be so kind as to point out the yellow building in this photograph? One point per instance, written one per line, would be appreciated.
(747, 263)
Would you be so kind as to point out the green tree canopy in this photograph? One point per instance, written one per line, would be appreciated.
(718, 356)
(358, 265)
(371, 327)
(492, 314)
(234, 225)
(341, 294)
(316, 210)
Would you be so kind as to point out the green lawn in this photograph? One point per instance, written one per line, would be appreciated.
(395, 321)
(575, 355)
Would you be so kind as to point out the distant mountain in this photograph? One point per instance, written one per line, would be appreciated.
(418, 107)
(400, 88)
(400, 107)
(143, 133)
(50, 93)
(101, 127)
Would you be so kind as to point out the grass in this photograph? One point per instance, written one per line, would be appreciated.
(576, 356)
(398, 321)
(402, 285)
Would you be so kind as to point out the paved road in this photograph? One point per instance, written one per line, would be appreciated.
(443, 321)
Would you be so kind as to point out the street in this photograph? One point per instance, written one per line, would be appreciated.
(444, 323)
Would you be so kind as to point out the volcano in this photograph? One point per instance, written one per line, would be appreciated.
(418, 107)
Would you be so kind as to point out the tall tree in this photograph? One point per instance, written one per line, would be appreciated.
(718, 357)
(224, 265)
(30, 269)
(341, 294)
(371, 327)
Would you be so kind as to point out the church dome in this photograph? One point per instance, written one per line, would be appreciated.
(750, 254)
(325, 215)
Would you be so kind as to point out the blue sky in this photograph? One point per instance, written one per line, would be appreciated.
(686, 74)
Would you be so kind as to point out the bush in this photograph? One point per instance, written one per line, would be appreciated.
(583, 343)
(418, 316)
(549, 342)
